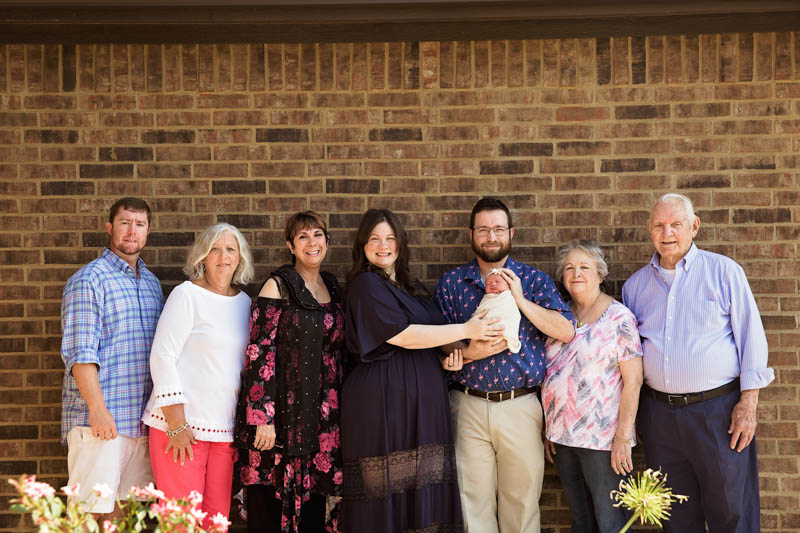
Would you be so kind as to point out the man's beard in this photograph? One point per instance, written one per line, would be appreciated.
(492, 256)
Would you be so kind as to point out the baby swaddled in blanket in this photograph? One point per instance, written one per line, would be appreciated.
(500, 303)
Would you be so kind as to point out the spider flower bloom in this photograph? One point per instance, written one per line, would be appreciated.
(647, 496)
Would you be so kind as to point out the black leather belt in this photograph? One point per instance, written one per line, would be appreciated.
(681, 400)
(495, 396)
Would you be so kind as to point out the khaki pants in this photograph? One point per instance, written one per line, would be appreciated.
(500, 461)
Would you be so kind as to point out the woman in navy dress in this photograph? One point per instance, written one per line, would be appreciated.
(397, 437)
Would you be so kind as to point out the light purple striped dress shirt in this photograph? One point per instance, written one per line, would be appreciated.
(702, 332)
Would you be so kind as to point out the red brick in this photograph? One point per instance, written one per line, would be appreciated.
(566, 114)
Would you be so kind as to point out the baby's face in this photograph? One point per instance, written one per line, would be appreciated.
(495, 284)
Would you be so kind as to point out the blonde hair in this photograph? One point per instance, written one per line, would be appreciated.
(244, 272)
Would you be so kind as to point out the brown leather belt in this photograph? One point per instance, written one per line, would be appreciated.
(681, 400)
(499, 396)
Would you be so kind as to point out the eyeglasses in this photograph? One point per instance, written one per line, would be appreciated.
(483, 231)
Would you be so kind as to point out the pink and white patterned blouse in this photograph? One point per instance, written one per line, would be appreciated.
(582, 389)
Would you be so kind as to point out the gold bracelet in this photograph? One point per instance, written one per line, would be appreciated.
(620, 439)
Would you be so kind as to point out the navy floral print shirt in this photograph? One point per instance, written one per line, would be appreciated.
(458, 293)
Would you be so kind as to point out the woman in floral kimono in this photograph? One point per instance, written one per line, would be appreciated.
(287, 430)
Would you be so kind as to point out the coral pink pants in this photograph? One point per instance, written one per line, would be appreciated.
(210, 473)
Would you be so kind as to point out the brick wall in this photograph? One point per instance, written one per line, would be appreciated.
(577, 135)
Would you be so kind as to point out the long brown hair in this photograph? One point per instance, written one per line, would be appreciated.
(372, 218)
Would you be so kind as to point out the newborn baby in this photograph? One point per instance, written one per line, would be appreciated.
(500, 303)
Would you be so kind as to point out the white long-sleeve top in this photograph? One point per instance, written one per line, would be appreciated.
(196, 359)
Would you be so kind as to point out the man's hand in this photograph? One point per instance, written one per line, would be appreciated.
(102, 423)
(478, 349)
(743, 420)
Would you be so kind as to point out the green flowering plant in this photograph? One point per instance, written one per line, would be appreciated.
(647, 496)
(145, 507)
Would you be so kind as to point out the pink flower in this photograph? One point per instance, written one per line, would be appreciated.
(171, 506)
(34, 489)
(220, 522)
(270, 409)
(328, 320)
(256, 417)
(109, 527)
(252, 352)
(278, 458)
(337, 477)
(101, 490)
(256, 392)
(198, 515)
(249, 476)
(307, 481)
(195, 498)
(152, 492)
(326, 442)
(268, 370)
(255, 459)
(73, 490)
(322, 462)
(325, 409)
(333, 399)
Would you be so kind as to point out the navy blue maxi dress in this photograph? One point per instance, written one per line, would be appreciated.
(397, 437)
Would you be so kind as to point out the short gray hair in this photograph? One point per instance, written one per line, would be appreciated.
(590, 248)
(244, 272)
(675, 198)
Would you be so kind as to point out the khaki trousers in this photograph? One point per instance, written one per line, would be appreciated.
(500, 461)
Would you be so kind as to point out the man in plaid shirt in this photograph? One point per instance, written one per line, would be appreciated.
(109, 313)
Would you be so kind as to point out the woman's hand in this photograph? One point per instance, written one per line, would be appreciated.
(455, 361)
(549, 451)
(621, 460)
(481, 328)
(265, 437)
(181, 445)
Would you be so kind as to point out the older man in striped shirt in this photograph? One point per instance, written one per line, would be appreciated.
(705, 357)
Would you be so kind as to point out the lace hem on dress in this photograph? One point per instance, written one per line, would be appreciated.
(370, 478)
(439, 527)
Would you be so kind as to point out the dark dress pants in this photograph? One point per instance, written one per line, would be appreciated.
(692, 446)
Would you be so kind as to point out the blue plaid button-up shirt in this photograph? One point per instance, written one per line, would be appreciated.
(109, 317)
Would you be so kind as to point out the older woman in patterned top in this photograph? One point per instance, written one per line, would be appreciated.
(591, 392)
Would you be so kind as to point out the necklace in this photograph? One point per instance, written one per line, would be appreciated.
(314, 288)
(581, 323)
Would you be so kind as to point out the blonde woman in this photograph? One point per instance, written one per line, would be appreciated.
(196, 359)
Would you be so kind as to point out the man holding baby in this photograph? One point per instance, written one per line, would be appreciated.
(496, 414)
